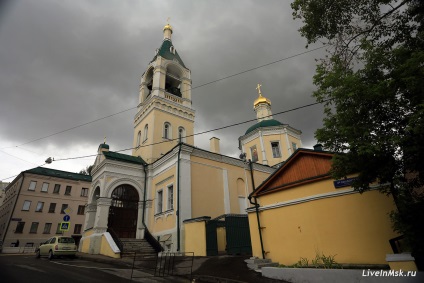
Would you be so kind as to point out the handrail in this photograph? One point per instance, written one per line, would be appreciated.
(152, 241)
(116, 239)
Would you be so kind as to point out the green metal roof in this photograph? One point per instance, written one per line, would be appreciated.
(123, 157)
(262, 124)
(103, 145)
(59, 174)
(165, 52)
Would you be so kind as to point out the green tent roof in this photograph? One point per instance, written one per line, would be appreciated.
(165, 52)
(262, 124)
(59, 174)
(124, 157)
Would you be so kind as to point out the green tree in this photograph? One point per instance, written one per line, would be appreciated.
(86, 171)
(372, 85)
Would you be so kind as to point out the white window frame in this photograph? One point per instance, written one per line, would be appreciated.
(146, 132)
(84, 192)
(45, 187)
(27, 205)
(40, 206)
(167, 131)
(159, 201)
(181, 134)
(294, 146)
(47, 228)
(32, 186)
(138, 138)
(278, 155)
(170, 197)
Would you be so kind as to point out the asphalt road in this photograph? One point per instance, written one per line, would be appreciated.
(26, 268)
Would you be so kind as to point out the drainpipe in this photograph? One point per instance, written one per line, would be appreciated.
(144, 194)
(178, 197)
(256, 208)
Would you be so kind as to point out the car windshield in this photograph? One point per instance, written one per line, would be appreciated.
(66, 240)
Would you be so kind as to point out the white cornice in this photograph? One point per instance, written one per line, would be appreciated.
(270, 130)
(158, 103)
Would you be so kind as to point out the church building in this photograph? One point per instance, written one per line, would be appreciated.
(167, 179)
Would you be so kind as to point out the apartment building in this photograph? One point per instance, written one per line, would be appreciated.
(35, 204)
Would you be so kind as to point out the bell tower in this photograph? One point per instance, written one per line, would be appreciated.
(165, 116)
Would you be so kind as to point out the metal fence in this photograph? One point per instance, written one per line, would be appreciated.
(163, 264)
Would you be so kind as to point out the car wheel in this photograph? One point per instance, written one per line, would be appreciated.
(37, 254)
(51, 255)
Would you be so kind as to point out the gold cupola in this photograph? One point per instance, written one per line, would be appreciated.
(167, 27)
(260, 98)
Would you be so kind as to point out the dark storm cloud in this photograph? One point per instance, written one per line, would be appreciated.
(64, 63)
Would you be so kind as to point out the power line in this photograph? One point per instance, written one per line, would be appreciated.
(199, 86)
(201, 133)
(196, 134)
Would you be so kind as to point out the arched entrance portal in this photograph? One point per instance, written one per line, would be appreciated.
(123, 211)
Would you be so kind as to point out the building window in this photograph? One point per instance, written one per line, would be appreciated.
(138, 138)
(39, 207)
(146, 131)
(32, 186)
(58, 231)
(275, 146)
(84, 192)
(181, 134)
(68, 190)
(47, 228)
(52, 207)
(34, 227)
(27, 205)
(167, 131)
(20, 227)
(170, 197)
(56, 189)
(254, 153)
(81, 209)
(45, 187)
(159, 202)
(77, 229)
(294, 146)
(64, 206)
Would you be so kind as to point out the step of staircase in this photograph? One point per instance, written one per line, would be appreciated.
(140, 246)
(256, 264)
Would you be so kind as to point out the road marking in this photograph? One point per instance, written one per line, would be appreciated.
(30, 268)
(89, 267)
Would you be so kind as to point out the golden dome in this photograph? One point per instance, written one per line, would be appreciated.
(261, 99)
(168, 26)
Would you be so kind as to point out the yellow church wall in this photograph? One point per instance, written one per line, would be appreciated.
(281, 138)
(155, 121)
(166, 219)
(195, 238)
(207, 198)
(207, 178)
(221, 238)
(250, 144)
(144, 151)
(355, 228)
(294, 140)
(106, 250)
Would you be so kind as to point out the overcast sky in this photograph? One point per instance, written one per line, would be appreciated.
(66, 63)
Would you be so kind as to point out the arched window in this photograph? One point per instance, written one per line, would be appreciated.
(167, 131)
(181, 134)
(146, 130)
(138, 138)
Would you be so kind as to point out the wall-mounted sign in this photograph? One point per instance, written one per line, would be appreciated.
(344, 183)
(16, 219)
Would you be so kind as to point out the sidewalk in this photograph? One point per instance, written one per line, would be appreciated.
(223, 269)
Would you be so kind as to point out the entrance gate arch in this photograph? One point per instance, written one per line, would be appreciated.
(123, 211)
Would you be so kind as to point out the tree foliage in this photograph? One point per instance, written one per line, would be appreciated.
(86, 170)
(372, 84)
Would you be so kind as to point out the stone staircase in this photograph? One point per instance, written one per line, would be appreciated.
(256, 264)
(140, 246)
